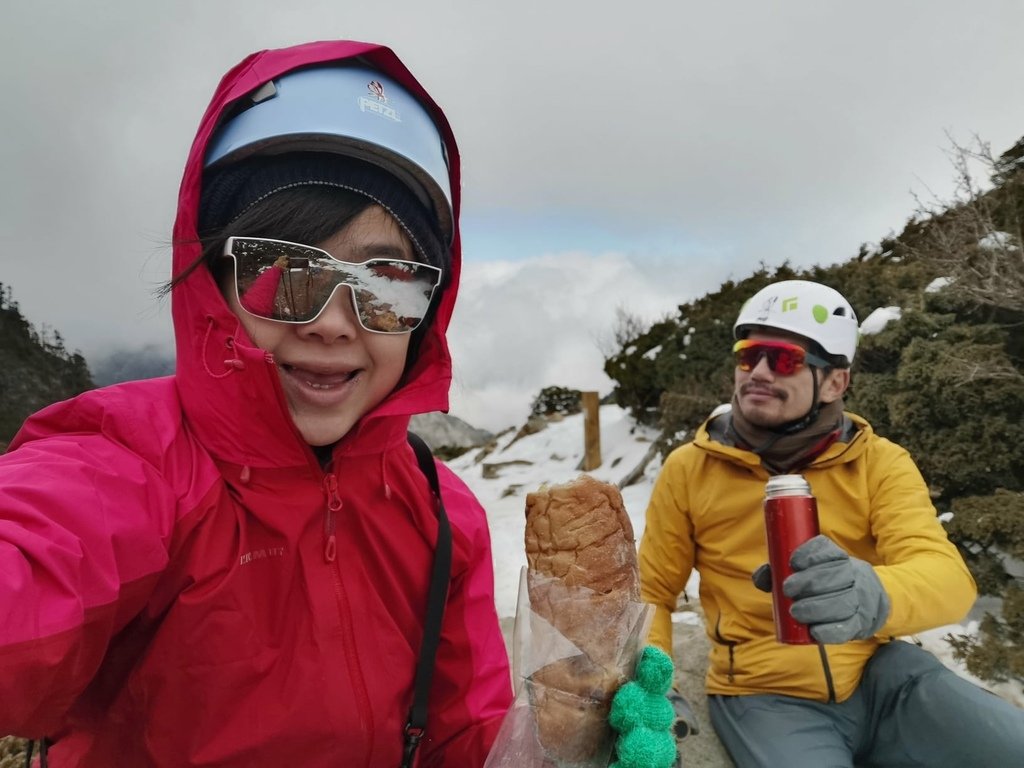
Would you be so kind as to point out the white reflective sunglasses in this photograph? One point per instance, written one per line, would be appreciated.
(292, 283)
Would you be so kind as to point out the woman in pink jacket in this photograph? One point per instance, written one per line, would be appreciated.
(239, 565)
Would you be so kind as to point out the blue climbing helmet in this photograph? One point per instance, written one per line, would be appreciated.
(348, 109)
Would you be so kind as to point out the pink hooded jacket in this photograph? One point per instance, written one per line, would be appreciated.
(183, 585)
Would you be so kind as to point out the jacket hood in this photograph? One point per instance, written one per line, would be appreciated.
(228, 387)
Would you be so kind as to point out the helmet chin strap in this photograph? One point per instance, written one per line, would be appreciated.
(791, 427)
(804, 421)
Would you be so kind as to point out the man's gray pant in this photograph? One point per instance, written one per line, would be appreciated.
(909, 710)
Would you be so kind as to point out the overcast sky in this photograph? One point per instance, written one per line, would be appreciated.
(627, 155)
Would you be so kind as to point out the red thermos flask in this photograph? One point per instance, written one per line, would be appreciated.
(790, 519)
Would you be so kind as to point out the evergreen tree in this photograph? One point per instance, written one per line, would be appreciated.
(36, 369)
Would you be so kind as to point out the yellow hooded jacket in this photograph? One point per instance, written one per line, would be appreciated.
(706, 513)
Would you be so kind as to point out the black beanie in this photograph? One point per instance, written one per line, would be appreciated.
(230, 191)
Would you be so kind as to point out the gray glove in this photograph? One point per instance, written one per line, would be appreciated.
(839, 597)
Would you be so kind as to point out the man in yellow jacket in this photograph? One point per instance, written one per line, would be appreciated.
(882, 568)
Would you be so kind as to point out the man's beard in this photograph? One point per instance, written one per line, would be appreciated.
(754, 416)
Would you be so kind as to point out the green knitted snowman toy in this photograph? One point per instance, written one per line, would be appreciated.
(643, 716)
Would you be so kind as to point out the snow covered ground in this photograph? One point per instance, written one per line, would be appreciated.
(502, 479)
(550, 456)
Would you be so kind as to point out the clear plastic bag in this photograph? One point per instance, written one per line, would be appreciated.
(570, 653)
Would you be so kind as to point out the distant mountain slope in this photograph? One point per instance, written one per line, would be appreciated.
(120, 365)
(441, 431)
(35, 368)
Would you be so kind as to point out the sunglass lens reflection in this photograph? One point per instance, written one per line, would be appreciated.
(781, 360)
(292, 283)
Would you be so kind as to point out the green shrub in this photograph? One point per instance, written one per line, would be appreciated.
(35, 367)
(997, 652)
(681, 414)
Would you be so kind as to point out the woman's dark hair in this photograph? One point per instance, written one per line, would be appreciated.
(310, 214)
(306, 215)
(306, 197)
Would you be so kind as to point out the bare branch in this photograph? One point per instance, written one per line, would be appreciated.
(964, 372)
(976, 237)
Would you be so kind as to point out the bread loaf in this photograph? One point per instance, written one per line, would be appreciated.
(583, 581)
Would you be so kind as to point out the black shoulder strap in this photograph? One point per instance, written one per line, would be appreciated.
(416, 725)
(43, 749)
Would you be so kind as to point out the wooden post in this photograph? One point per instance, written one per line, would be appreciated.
(591, 431)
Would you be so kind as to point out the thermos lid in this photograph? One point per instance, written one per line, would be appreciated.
(787, 485)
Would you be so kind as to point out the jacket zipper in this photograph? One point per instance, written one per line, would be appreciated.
(359, 692)
(829, 684)
(333, 507)
(732, 650)
(828, 674)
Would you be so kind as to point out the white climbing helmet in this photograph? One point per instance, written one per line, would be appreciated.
(349, 109)
(808, 309)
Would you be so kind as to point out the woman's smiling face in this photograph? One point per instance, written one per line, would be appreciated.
(332, 370)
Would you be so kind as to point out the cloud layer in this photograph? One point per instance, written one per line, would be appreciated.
(543, 321)
(699, 138)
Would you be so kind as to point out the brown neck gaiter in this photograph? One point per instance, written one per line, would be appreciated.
(782, 453)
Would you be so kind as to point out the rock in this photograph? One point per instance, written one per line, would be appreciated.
(492, 470)
(439, 430)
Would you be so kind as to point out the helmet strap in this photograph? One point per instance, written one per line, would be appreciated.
(791, 427)
(804, 421)
(790, 445)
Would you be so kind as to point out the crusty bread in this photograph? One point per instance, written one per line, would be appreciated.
(580, 533)
(582, 579)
